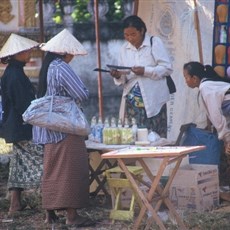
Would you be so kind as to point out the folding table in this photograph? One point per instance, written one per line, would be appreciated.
(156, 191)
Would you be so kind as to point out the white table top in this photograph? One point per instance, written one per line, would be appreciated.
(106, 148)
(151, 151)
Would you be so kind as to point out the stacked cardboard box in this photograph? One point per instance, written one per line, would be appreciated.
(195, 188)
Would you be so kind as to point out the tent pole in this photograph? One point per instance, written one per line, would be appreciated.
(197, 27)
(97, 29)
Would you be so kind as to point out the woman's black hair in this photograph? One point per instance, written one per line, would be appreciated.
(203, 72)
(42, 84)
(134, 21)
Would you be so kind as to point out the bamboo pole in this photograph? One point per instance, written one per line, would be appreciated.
(97, 31)
(197, 28)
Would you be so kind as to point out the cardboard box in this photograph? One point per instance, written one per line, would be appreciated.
(195, 188)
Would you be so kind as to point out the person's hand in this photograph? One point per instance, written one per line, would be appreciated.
(115, 73)
(227, 148)
(138, 70)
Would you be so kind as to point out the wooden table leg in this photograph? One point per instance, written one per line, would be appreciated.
(167, 201)
(154, 186)
(145, 200)
(94, 176)
(163, 192)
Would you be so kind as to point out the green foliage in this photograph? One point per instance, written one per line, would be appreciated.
(58, 14)
(115, 10)
(80, 12)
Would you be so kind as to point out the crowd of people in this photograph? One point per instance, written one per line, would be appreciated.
(55, 161)
(58, 162)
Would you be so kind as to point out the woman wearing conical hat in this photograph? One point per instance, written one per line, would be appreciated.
(17, 93)
(65, 183)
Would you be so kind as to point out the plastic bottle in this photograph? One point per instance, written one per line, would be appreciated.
(127, 134)
(119, 130)
(106, 130)
(115, 132)
(92, 128)
(134, 130)
(99, 131)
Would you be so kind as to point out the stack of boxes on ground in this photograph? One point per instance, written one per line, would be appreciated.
(195, 188)
(196, 185)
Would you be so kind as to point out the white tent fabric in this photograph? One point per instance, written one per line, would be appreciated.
(173, 21)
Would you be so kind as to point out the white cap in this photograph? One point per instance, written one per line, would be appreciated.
(64, 42)
(16, 44)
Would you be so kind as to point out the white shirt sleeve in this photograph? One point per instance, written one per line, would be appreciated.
(213, 98)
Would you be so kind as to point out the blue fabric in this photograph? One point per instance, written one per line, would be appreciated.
(211, 155)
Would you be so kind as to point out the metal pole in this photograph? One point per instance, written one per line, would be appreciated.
(97, 30)
(197, 27)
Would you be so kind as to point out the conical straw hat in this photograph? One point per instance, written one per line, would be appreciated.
(64, 42)
(16, 44)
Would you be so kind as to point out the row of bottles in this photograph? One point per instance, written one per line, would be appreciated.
(113, 133)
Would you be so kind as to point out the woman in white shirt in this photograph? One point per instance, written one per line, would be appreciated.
(215, 93)
(145, 92)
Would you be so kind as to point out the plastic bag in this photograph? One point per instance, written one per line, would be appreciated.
(57, 113)
(196, 136)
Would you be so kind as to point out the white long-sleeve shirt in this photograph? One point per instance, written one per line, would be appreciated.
(213, 95)
(153, 86)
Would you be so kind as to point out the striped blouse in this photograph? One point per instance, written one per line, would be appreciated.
(61, 80)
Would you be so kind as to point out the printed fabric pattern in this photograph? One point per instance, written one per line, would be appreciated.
(26, 165)
(134, 97)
